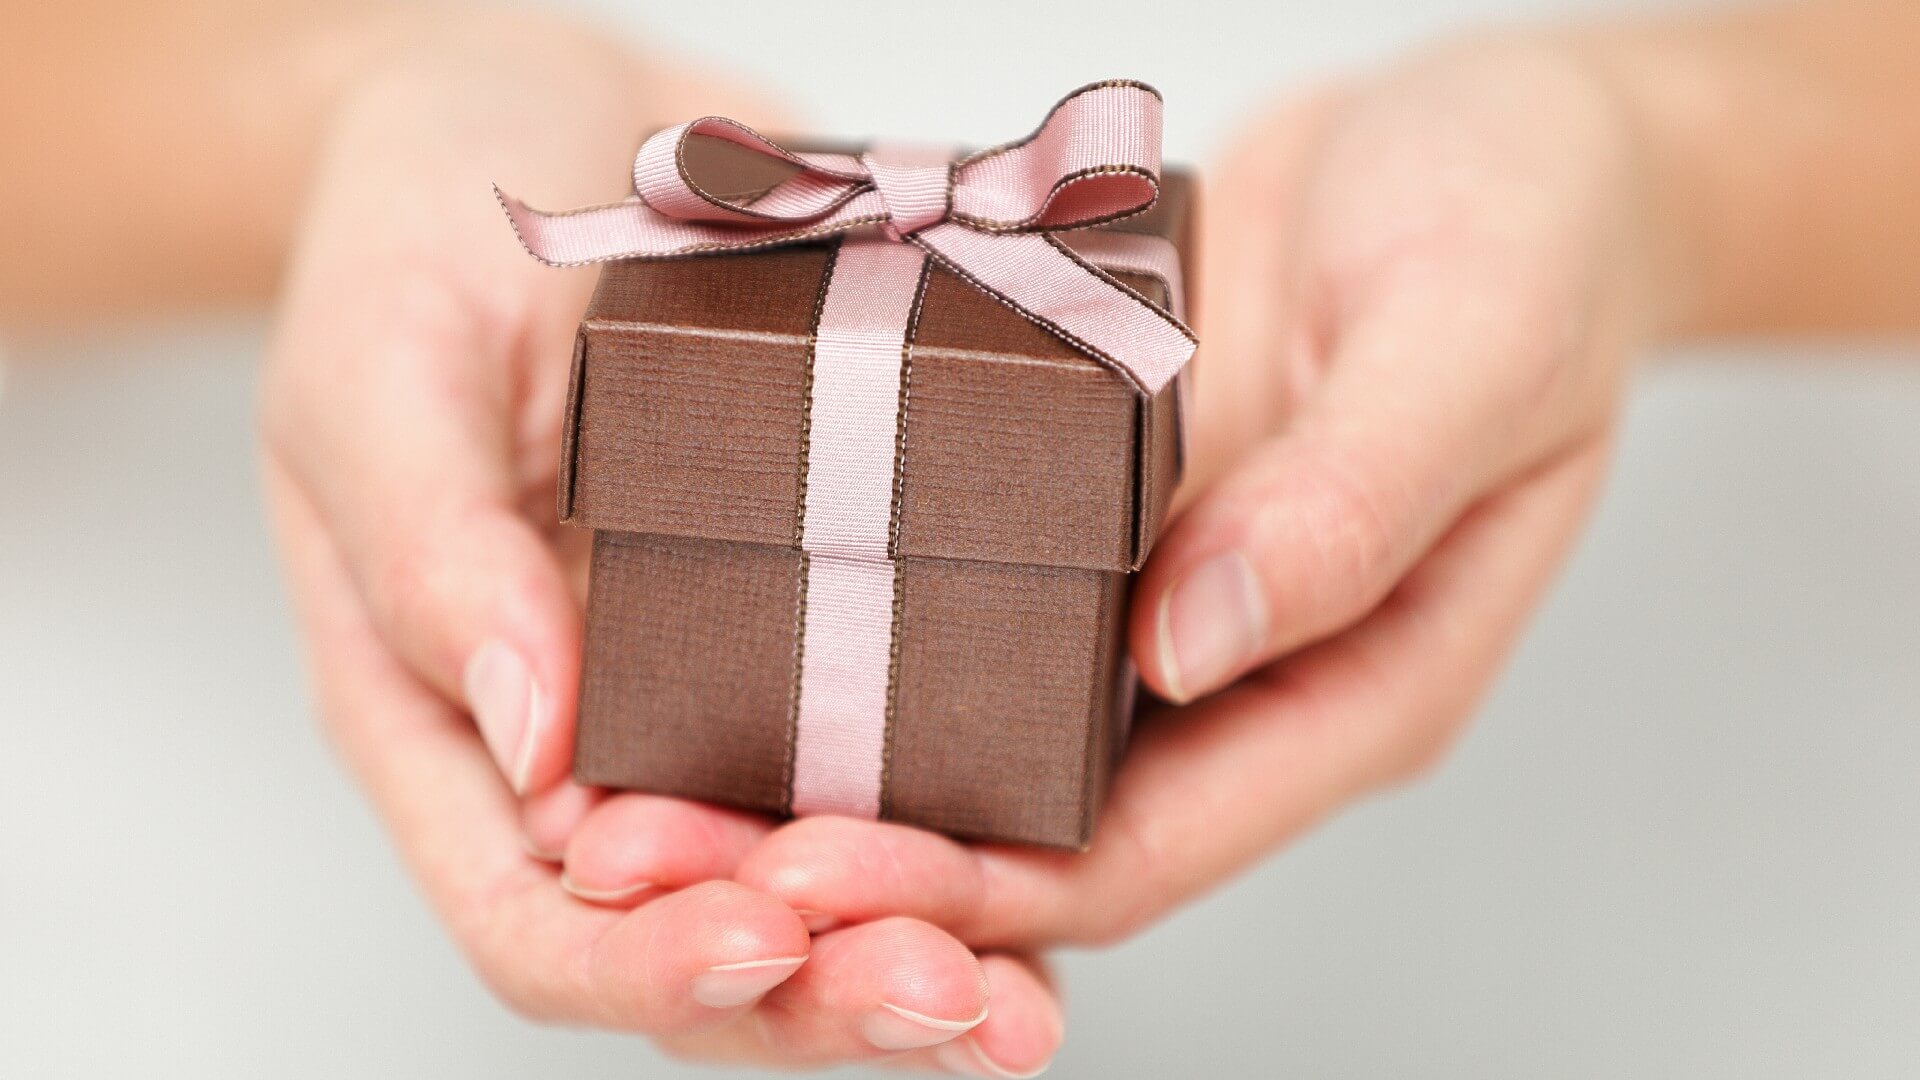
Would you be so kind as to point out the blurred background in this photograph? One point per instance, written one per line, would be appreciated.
(1683, 839)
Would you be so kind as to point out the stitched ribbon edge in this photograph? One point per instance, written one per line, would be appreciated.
(1098, 316)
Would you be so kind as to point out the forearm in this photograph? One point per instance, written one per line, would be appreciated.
(1783, 154)
(166, 147)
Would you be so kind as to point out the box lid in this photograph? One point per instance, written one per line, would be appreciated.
(689, 402)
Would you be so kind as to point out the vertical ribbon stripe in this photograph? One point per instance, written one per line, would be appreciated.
(847, 623)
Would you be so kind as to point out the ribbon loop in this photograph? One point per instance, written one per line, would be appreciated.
(666, 176)
(1094, 159)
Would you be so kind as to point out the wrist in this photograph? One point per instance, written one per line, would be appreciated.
(1563, 129)
(1780, 145)
(1665, 274)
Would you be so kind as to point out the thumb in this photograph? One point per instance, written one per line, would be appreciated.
(403, 438)
(1312, 528)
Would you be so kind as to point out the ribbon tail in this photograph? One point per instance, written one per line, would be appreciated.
(576, 237)
(1154, 257)
(1047, 283)
(1134, 253)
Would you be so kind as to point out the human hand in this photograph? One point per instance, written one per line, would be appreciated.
(1420, 293)
(411, 419)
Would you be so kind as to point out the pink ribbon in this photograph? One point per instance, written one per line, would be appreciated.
(988, 217)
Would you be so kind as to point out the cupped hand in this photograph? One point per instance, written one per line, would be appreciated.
(411, 418)
(1420, 293)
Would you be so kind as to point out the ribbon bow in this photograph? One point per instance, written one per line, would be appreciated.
(989, 217)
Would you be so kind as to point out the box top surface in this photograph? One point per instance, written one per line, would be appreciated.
(688, 411)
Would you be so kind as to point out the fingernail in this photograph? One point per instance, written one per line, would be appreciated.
(509, 707)
(891, 1027)
(1212, 621)
(816, 922)
(724, 986)
(964, 1057)
(603, 896)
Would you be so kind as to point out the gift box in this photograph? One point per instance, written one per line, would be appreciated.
(863, 526)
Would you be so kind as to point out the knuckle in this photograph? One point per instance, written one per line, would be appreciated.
(431, 315)
(1350, 534)
(407, 588)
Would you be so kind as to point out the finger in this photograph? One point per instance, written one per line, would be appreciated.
(873, 990)
(548, 820)
(1204, 794)
(1314, 527)
(838, 870)
(1020, 1035)
(688, 961)
(416, 419)
(632, 845)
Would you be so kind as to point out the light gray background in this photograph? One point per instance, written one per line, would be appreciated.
(1680, 842)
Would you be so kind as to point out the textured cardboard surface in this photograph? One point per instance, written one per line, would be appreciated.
(687, 684)
(1004, 719)
(1033, 481)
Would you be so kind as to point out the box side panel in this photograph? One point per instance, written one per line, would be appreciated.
(687, 682)
(1015, 460)
(766, 293)
(1113, 715)
(1158, 468)
(689, 434)
(570, 427)
(1004, 678)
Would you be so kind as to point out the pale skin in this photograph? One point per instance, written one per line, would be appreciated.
(1423, 294)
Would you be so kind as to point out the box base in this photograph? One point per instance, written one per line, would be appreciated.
(1008, 713)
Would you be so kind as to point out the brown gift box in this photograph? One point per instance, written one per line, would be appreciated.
(1032, 482)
